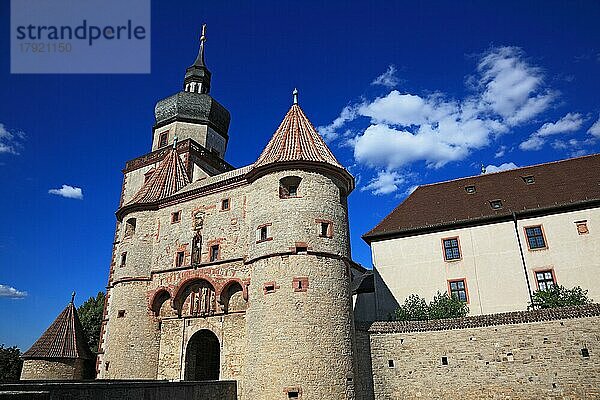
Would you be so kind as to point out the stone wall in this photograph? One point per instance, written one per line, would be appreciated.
(58, 369)
(101, 390)
(551, 354)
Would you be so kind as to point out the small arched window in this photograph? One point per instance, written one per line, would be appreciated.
(288, 187)
(130, 227)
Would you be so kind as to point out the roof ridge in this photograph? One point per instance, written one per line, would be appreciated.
(510, 170)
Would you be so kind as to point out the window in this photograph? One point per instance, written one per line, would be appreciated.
(496, 204)
(458, 288)
(263, 233)
(585, 352)
(325, 228)
(535, 237)
(390, 363)
(470, 189)
(451, 249)
(121, 314)
(179, 258)
(163, 139)
(293, 393)
(225, 204)
(545, 279)
(288, 187)
(130, 227)
(528, 179)
(175, 217)
(301, 249)
(123, 258)
(444, 360)
(214, 252)
(582, 228)
(300, 284)
(270, 287)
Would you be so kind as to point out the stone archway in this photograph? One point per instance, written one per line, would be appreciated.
(202, 357)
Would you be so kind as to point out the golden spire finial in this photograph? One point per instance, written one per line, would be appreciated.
(295, 94)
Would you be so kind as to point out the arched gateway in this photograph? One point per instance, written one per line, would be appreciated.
(202, 357)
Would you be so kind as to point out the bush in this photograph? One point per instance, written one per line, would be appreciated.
(415, 308)
(559, 296)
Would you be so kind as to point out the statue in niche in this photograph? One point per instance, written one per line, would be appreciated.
(198, 220)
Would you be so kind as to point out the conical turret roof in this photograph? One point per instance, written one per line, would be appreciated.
(169, 177)
(63, 339)
(296, 139)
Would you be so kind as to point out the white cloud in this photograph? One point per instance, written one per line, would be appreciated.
(388, 78)
(403, 128)
(502, 167)
(595, 129)
(68, 192)
(500, 152)
(10, 142)
(11, 293)
(511, 87)
(567, 124)
(384, 183)
(329, 131)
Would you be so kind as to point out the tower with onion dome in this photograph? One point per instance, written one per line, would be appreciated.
(223, 273)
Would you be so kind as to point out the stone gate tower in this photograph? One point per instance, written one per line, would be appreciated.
(224, 273)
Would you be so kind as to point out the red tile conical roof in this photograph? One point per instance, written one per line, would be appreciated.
(296, 139)
(169, 177)
(63, 339)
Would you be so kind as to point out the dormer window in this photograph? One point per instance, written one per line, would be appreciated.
(528, 179)
(470, 189)
(496, 204)
(288, 187)
(163, 139)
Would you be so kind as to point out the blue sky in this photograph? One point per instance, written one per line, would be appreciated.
(405, 94)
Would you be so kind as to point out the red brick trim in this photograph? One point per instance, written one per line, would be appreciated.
(270, 287)
(176, 217)
(293, 389)
(459, 249)
(221, 208)
(329, 227)
(543, 235)
(300, 284)
(543, 269)
(459, 280)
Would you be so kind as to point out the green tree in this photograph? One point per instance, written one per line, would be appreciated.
(415, 308)
(10, 364)
(559, 296)
(90, 315)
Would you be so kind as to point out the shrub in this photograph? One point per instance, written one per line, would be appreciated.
(415, 308)
(559, 296)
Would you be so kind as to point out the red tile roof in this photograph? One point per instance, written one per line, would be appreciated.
(567, 183)
(63, 339)
(169, 177)
(296, 139)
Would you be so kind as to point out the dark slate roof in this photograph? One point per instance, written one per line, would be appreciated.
(478, 321)
(296, 139)
(63, 339)
(193, 107)
(364, 283)
(169, 177)
(447, 204)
